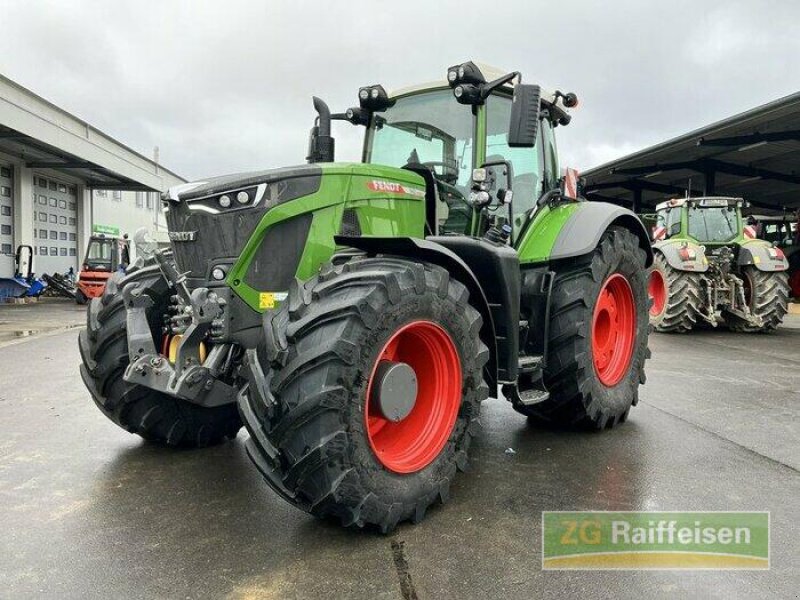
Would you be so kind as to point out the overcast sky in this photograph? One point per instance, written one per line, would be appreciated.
(226, 86)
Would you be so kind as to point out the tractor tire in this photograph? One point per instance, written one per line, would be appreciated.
(152, 415)
(597, 337)
(676, 297)
(768, 297)
(314, 435)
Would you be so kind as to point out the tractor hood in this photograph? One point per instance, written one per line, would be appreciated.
(265, 217)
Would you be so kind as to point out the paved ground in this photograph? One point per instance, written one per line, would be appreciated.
(19, 321)
(90, 511)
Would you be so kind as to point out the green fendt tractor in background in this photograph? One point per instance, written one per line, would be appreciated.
(709, 267)
(358, 314)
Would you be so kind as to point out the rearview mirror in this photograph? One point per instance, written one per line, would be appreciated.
(524, 122)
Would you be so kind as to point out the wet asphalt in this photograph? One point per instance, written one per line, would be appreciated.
(90, 511)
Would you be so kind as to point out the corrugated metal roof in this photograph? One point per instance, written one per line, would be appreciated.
(754, 155)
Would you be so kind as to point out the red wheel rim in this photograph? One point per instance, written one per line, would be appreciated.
(657, 290)
(412, 444)
(613, 330)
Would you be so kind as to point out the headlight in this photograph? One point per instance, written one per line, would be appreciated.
(242, 197)
(225, 201)
(218, 274)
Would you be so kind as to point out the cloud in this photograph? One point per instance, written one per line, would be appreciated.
(223, 87)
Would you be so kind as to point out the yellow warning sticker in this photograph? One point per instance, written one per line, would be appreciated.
(266, 300)
(756, 259)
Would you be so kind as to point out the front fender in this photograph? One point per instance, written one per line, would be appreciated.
(669, 249)
(762, 255)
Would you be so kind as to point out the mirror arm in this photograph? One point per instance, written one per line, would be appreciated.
(488, 88)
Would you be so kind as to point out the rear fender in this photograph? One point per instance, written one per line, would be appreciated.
(582, 233)
(437, 254)
(670, 250)
(761, 254)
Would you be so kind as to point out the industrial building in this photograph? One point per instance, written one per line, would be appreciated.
(62, 179)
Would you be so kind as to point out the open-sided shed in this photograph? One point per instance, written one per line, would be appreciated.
(754, 155)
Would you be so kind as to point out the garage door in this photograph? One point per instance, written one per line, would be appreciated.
(6, 222)
(55, 222)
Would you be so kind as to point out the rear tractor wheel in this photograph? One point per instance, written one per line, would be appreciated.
(154, 416)
(767, 295)
(371, 393)
(598, 336)
(676, 297)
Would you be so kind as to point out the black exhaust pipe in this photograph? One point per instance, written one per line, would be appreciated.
(320, 142)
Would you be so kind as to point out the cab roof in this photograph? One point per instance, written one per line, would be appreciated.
(489, 72)
(702, 201)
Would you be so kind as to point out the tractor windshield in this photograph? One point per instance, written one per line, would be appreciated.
(713, 224)
(431, 129)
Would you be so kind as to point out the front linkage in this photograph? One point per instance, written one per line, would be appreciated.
(192, 377)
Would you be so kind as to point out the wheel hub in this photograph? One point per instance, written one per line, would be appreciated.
(613, 330)
(394, 390)
(413, 396)
(657, 290)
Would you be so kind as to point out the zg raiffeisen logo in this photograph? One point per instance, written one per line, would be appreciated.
(654, 540)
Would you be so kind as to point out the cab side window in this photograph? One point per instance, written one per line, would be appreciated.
(528, 163)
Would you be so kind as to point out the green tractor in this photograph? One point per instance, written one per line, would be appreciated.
(709, 267)
(355, 316)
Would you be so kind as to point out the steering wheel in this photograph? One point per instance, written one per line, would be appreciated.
(449, 177)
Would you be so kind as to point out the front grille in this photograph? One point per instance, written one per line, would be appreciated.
(217, 236)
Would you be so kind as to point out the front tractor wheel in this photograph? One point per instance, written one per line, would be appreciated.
(363, 400)
(150, 414)
(597, 336)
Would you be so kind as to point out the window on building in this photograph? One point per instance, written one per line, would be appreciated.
(43, 217)
(62, 220)
(150, 200)
(139, 199)
(62, 188)
(6, 249)
(5, 191)
(5, 172)
(72, 251)
(100, 193)
(43, 234)
(53, 186)
(73, 206)
(53, 235)
(5, 211)
(53, 251)
(62, 235)
(43, 200)
(72, 220)
(35, 250)
(63, 252)
(72, 237)
(5, 229)
(43, 250)
(53, 202)
(117, 195)
(72, 190)
(34, 234)
(42, 182)
(54, 218)
(62, 204)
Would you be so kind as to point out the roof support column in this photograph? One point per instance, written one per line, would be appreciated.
(637, 200)
(709, 183)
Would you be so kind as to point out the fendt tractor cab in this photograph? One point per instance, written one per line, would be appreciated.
(358, 313)
(709, 266)
(104, 256)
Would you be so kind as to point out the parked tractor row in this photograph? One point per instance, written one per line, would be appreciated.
(710, 268)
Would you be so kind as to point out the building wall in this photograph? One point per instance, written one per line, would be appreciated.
(56, 214)
(126, 212)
